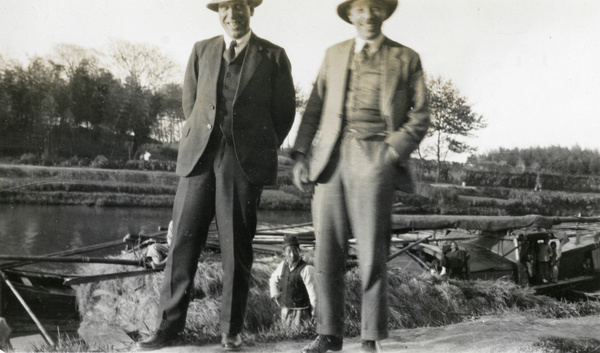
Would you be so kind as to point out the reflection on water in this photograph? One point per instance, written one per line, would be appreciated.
(40, 230)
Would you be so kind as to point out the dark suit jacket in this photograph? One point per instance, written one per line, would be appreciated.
(263, 110)
(403, 105)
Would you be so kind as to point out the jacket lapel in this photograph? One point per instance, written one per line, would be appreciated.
(215, 55)
(391, 70)
(338, 72)
(251, 62)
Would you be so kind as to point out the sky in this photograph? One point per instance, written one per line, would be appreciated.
(531, 68)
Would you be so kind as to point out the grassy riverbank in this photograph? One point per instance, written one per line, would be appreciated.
(124, 188)
(104, 187)
(413, 301)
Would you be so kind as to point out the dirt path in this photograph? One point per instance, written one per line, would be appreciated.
(488, 334)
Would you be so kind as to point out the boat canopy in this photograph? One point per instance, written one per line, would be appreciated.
(484, 223)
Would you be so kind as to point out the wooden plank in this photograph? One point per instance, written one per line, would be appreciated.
(105, 337)
(100, 260)
(567, 281)
(66, 253)
(107, 276)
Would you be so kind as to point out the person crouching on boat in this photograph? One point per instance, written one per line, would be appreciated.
(292, 286)
(156, 254)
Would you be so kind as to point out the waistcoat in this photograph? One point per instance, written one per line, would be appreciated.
(363, 95)
(227, 84)
(293, 290)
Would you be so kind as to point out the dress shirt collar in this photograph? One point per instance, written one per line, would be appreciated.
(374, 44)
(294, 265)
(241, 42)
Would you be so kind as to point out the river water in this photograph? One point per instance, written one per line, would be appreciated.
(40, 230)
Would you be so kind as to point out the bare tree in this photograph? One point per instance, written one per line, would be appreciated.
(452, 122)
(71, 57)
(144, 63)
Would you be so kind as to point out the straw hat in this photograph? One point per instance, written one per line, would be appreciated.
(290, 240)
(342, 9)
(214, 4)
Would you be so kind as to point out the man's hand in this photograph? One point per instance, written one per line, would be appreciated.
(392, 155)
(300, 173)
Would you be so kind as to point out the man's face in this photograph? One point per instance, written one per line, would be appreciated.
(367, 16)
(291, 254)
(235, 17)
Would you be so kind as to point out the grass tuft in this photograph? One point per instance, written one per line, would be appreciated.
(554, 344)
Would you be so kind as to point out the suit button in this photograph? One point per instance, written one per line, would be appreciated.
(213, 107)
(209, 126)
(226, 87)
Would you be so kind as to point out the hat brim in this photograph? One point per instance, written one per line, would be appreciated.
(214, 5)
(285, 245)
(342, 9)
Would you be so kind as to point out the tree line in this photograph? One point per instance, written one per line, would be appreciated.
(81, 101)
(541, 160)
(86, 102)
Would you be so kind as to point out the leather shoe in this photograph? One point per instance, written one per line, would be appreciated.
(231, 343)
(157, 340)
(368, 346)
(324, 343)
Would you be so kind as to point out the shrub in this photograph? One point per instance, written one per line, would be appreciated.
(100, 162)
(29, 158)
(138, 164)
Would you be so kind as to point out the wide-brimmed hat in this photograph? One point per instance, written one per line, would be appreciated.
(214, 4)
(290, 240)
(343, 8)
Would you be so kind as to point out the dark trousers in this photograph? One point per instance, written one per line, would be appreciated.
(354, 196)
(544, 270)
(217, 188)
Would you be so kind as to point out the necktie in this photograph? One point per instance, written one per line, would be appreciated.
(365, 52)
(230, 53)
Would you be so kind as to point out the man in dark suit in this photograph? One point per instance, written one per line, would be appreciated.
(367, 112)
(239, 103)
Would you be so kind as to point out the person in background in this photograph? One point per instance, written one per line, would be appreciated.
(157, 253)
(292, 286)
(556, 255)
(588, 266)
(456, 262)
(543, 261)
(538, 183)
(531, 261)
(239, 103)
(366, 114)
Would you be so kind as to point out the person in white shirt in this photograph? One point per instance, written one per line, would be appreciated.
(157, 253)
(292, 286)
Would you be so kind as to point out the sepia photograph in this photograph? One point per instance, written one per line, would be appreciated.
(299, 176)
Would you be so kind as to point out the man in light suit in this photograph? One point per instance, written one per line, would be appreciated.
(239, 104)
(367, 112)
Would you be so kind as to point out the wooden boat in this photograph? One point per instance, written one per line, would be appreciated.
(45, 293)
(491, 241)
(495, 245)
